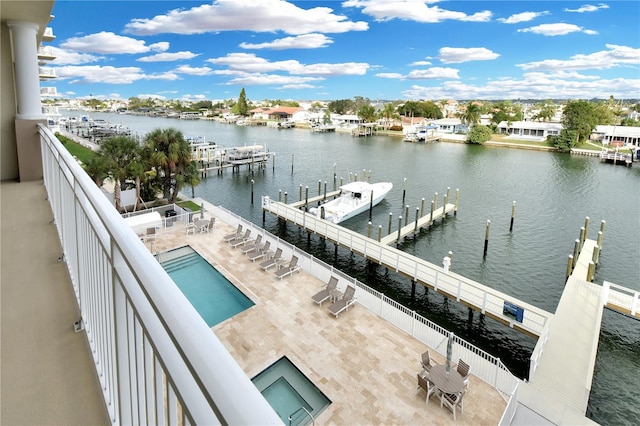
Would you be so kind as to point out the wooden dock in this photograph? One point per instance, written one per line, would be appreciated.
(316, 199)
(472, 294)
(415, 226)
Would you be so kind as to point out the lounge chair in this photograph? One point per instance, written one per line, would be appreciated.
(325, 293)
(234, 235)
(272, 261)
(259, 254)
(452, 401)
(242, 240)
(289, 269)
(255, 245)
(343, 304)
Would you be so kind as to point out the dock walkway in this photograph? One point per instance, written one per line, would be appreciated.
(421, 222)
(474, 295)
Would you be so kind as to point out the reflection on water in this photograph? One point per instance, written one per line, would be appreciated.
(553, 193)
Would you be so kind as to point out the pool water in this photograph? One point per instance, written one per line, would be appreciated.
(211, 294)
(288, 391)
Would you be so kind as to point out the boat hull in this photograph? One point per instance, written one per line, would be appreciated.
(355, 199)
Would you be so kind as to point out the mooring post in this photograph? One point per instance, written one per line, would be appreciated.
(364, 175)
(306, 198)
(444, 206)
(422, 207)
(455, 207)
(582, 234)
(390, 219)
(341, 180)
(601, 234)
(596, 255)
(450, 254)
(285, 197)
(486, 237)
(586, 227)
(370, 205)
(431, 214)
(273, 163)
(591, 271)
(251, 191)
(404, 189)
(369, 229)
(413, 290)
(300, 193)
(319, 186)
(399, 228)
(415, 229)
(292, 164)
(379, 233)
(325, 191)
(279, 195)
(569, 266)
(335, 176)
(576, 249)
(322, 212)
(513, 215)
(406, 215)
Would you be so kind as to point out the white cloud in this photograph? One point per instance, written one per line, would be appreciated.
(161, 46)
(234, 15)
(186, 69)
(420, 64)
(456, 55)
(306, 41)
(522, 17)
(255, 79)
(426, 74)
(614, 57)
(100, 74)
(68, 57)
(151, 96)
(413, 10)
(249, 62)
(107, 43)
(588, 8)
(556, 29)
(193, 98)
(168, 57)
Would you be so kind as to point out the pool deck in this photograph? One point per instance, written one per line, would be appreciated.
(366, 366)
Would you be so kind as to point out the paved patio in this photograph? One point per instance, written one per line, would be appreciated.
(363, 364)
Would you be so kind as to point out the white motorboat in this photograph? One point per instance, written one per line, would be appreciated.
(355, 198)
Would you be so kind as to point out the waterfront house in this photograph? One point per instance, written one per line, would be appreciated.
(616, 135)
(529, 130)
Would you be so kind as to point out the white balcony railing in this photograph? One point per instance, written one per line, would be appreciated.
(156, 359)
(45, 72)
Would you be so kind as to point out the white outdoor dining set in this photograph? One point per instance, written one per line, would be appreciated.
(450, 386)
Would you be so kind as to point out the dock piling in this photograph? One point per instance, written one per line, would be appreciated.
(455, 208)
(582, 235)
(379, 233)
(569, 266)
(300, 193)
(591, 271)
(513, 215)
(415, 229)
(306, 198)
(285, 197)
(406, 215)
(371, 206)
(291, 164)
(252, 182)
(390, 219)
(576, 249)
(325, 191)
(399, 229)
(596, 255)
(279, 195)
(435, 200)
(319, 187)
(431, 214)
(404, 189)
(369, 228)
(422, 207)
(586, 227)
(486, 237)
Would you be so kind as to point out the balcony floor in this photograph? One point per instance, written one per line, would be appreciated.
(363, 364)
(48, 376)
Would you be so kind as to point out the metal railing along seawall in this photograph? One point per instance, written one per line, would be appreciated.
(156, 359)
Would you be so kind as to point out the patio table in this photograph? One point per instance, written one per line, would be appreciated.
(446, 383)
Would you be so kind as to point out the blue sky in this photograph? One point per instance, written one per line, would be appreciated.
(315, 50)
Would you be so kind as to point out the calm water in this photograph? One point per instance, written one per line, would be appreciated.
(554, 194)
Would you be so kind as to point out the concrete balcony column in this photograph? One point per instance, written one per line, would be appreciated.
(25, 52)
(24, 48)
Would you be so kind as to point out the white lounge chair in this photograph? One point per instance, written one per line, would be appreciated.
(269, 263)
(234, 235)
(259, 254)
(289, 269)
(237, 242)
(325, 293)
(348, 299)
(251, 246)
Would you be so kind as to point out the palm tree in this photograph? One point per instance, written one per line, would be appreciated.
(97, 168)
(192, 177)
(120, 152)
(388, 113)
(471, 115)
(171, 156)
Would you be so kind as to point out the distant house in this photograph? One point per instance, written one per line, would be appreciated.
(529, 130)
(277, 113)
(449, 125)
(616, 135)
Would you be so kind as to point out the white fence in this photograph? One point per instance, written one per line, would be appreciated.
(156, 359)
(621, 298)
(483, 365)
(487, 300)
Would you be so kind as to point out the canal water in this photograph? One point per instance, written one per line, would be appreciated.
(554, 193)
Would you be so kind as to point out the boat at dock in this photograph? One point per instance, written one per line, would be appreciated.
(355, 198)
(247, 154)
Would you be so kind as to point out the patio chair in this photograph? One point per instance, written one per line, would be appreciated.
(427, 362)
(150, 235)
(259, 254)
(343, 304)
(233, 235)
(242, 240)
(191, 228)
(463, 370)
(269, 263)
(251, 246)
(325, 293)
(452, 401)
(429, 387)
(209, 226)
(290, 269)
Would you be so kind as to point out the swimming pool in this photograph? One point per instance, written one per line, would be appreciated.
(211, 294)
(290, 393)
